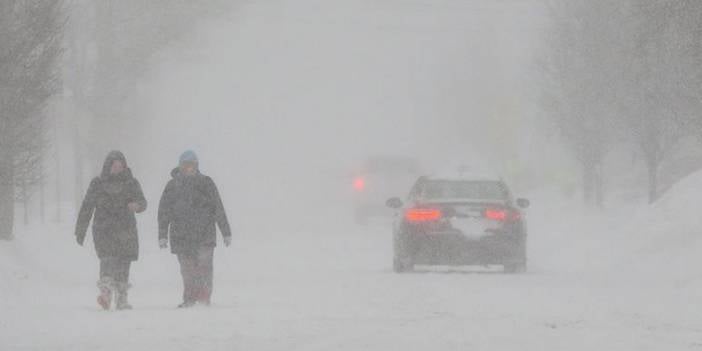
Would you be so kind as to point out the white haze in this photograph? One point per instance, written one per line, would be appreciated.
(282, 100)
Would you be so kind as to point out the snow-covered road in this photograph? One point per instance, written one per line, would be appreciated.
(314, 289)
(284, 89)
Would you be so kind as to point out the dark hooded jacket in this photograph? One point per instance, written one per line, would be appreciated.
(114, 225)
(189, 209)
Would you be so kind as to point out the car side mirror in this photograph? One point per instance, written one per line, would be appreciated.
(523, 203)
(394, 202)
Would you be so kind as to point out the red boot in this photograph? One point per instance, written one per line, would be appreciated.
(105, 297)
(204, 297)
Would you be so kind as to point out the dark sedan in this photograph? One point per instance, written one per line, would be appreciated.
(459, 221)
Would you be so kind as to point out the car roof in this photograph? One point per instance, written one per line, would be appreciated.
(464, 177)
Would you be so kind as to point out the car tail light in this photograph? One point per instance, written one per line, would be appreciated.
(359, 184)
(422, 214)
(502, 215)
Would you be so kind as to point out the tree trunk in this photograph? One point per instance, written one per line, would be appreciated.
(57, 172)
(42, 193)
(652, 165)
(588, 183)
(25, 202)
(599, 186)
(7, 196)
(78, 187)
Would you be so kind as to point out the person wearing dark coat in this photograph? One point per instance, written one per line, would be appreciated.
(111, 201)
(187, 213)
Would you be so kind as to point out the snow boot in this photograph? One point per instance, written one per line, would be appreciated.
(121, 296)
(203, 297)
(187, 304)
(105, 298)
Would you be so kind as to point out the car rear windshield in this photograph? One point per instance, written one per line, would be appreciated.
(445, 189)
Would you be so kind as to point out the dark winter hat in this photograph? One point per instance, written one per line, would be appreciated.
(111, 157)
(188, 156)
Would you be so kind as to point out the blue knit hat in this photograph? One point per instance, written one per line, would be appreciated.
(188, 156)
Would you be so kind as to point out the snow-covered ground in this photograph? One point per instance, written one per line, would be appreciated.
(626, 279)
(630, 280)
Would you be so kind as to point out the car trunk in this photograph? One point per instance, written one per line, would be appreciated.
(467, 219)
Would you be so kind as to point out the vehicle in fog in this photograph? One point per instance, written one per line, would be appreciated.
(377, 179)
(457, 221)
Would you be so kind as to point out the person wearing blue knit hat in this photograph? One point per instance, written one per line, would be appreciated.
(188, 156)
(189, 209)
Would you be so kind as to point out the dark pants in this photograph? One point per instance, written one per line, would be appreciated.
(115, 269)
(196, 269)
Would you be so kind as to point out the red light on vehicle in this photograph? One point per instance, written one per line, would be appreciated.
(359, 184)
(502, 215)
(422, 214)
(497, 215)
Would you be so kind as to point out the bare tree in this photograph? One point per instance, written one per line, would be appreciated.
(30, 47)
(664, 75)
(627, 69)
(581, 88)
(111, 44)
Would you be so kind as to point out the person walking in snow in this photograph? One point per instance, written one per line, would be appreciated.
(188, 211)
(111, 201)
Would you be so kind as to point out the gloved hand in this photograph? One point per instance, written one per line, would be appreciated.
(79, 240)
(163, 243)
(227, 241)
(134, 207)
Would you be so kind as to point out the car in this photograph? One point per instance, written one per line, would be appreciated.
(459, 221)
(378, 178)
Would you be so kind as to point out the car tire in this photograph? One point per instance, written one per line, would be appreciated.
(515, 268)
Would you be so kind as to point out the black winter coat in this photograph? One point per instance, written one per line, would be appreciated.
(189, 208)
(114, 225)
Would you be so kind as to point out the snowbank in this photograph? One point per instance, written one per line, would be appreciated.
(666, 237)
(628, 243)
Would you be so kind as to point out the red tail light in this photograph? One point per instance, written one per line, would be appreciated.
(422, 214)
(502, 215)
(497, 215)
(359, 184)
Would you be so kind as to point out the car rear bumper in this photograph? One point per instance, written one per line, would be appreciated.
(457, 249)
